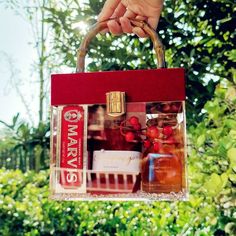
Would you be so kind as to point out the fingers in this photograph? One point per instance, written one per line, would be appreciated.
(122, 25)
(114, 27)
(108, 9)
(138, 31)
(112, 9)
(119, 11)
(126, 25)
(125, 22)
(130, 9)
(153, 22)
(104, 31)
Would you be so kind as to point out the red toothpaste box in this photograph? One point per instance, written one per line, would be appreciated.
(71, 158)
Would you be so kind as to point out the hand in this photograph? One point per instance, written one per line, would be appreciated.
(146, 10)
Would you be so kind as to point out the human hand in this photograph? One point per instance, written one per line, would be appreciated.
(124, 10)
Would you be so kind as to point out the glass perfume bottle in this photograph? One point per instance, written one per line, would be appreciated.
(162, 164)
(161, 173)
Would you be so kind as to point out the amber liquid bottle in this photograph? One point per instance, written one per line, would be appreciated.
(162, 163)
(161, 173)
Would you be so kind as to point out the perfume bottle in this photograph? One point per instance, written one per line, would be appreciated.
(161, 173)
(162, 164)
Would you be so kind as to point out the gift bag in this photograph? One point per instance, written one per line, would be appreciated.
(118, 135)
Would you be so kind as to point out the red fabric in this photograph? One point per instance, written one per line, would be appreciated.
(139, 85)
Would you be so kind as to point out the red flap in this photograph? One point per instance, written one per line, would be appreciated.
(139, 85)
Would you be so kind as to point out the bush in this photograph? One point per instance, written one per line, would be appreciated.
(27, 210)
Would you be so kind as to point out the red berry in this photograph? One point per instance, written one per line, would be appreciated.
(152, 132)
(166, 107)
(133, 120)
(137, 126)
(147, 143)
(170, 140)
(174, 107)
(167, 130)
(156, 146)
(129, 137)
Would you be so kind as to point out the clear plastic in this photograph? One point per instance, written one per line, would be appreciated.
(140, 155)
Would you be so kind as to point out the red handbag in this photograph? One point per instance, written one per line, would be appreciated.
(118, 134)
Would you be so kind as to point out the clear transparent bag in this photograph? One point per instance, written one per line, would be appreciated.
(121, 149)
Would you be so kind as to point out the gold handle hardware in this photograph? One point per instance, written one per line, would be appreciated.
(115, 103)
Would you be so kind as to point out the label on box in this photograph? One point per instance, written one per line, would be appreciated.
(72, 132)
(121, 161)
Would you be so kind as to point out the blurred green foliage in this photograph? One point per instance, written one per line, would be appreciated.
(24, 147)
(26, 208)
(198, 36)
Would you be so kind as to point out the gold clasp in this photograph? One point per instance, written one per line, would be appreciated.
(115, 103)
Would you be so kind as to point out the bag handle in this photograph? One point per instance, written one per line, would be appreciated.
(99, 26)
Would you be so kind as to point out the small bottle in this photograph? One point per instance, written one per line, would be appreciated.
(161, 173)
(162, 163)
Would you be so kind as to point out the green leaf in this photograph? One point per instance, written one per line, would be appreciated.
(230, 123)
(230, 94)
(232, 55)
(232, 177)
(234, 74)
(215, 184)
(230, 228)
(232, 155)
(232, 133)
(224, 179)
(200, 140)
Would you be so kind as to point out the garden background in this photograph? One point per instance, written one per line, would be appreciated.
(198, 35)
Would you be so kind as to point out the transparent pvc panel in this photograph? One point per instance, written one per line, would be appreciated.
(140, 155)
